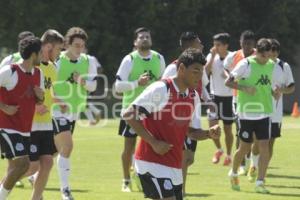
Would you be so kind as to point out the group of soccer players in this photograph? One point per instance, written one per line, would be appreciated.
(245, 87)
(43, 90)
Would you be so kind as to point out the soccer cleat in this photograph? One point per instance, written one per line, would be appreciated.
(242, 171)
(235, 183)
(227, 161)
(261, 189)
(31, 180)
(126, 186)
(252, 174)
(217, 156)
(137, 181)
(66, 194)
(19, 184)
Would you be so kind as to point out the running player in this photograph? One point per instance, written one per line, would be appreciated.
(137, 70)
(221, 95)
(75, 79)
(21, 89)
(168, 109)
(252, 77)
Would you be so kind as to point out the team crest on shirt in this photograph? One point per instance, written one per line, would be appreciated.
(47, 82)
(168, 185)
(245, 134)
(19, 147)
(33, 148)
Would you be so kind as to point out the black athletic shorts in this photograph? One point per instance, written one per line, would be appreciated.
(276, 130)
(125, 130)
(190, 144)
(159, 188)
(13, 145)
(41, 143)
(261, 128)
(223, 109)
(61, 124)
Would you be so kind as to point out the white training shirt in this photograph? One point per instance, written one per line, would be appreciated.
(90, 86)
(153, 99)
(284, 78)
(122, 84)
(241, 71)
(217, 78)
(9, 81)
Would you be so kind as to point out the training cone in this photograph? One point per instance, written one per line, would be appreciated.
(295, 112)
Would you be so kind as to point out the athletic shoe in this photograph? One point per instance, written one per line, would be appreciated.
(227, 161)
(261, 189)
(137, 181)
(19, 184)
(66, 194)
(126, 186)
(235, 183)
(31, 180)
(252, 174)
(217, 156)
(242, 171)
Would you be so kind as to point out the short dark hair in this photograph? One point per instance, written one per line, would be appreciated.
(186, 38)
(222, 37)
(191, 56)
(24, 34)
(275, 45)
(139, 30)
(75, 32)
(28, 46)
(247, 35)
(52, 36)
(263, 45)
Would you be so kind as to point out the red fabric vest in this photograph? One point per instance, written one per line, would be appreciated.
(23, 96)
(170, 125)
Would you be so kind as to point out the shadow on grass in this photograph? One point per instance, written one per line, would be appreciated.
(283, 186)
(197, 195)
(193, 173)
(73, 190)
(284, 195)
(282, 176)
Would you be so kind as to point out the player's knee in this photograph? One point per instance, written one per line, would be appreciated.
(47, 163)
(22, 166)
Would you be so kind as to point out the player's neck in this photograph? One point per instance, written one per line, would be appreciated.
(180, 84)
(144, 53)
(71, 56)
(27, 65)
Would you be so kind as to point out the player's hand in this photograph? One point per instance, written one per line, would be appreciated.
(78, 79)
(214, 132)
(161, 147)
(41, 109)
(213, 51)
(250, 90)
(143, 79)
(39, 93)
(10, 110)
(63, 108)
(277, 93)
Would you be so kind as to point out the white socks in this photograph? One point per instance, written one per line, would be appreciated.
(254, 160)
(3, 193)
(63, 166)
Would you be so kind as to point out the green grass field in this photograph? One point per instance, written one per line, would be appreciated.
(96, 169)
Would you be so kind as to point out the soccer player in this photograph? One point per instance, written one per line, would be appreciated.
(15, 57)
(170, 110)
(42, 145)
(247, 43)
(137, 70)
(252, 77)
(75, 79)
(21, 89)
(187, 40)
(221, 95)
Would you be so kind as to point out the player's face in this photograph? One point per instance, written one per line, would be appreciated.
(143, 41)
(77, 47)
(274, 55)
(247, 46)
(197, 44)
(264, 56)
(36, 58)
(55, 51)
(193, 75)
(220, 47)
